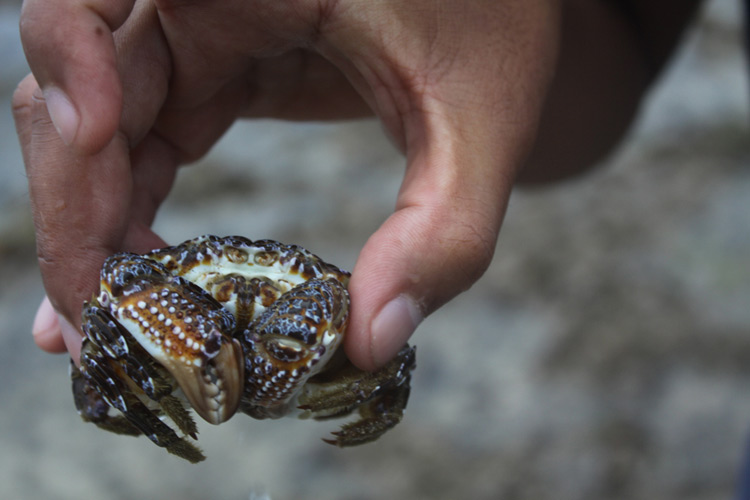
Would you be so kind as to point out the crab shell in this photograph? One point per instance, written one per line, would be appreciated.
(186, 305)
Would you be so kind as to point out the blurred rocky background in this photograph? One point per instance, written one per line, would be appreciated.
(604, 355)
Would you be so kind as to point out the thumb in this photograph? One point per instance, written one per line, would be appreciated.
(437, 243)
(465, 105)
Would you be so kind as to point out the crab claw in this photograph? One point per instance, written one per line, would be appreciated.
(182, 327)
(207, 364)
(214, 390)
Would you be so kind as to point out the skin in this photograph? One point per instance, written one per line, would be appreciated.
(123, 93)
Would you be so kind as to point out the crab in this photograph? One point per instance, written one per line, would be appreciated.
(221, 325)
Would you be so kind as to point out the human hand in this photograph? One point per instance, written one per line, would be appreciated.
(124, 92)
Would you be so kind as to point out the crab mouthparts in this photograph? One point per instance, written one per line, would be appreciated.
(215, 389)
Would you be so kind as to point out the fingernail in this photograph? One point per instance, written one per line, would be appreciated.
(63, 114)
(71, 336)
(393, 326)
(45, 321)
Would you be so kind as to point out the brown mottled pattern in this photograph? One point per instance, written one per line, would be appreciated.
(210, 250)
(172, 314)
(235, 324)
(290, 342)
(169, 321)
(287, 332)
(246, 293)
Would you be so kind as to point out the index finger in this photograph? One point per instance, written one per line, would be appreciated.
(80, 206)
(71, 52)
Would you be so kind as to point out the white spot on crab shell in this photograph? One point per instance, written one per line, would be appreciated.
(188, 320)
(172, 309)
(329, 337)
(168, 322)
(153, 310)
(154, 296)
(141, 304)
(164, 303)
(160, 317)
(189, 343)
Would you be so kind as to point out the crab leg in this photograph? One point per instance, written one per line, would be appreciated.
(92, 407)
(102, 374)
(150, 379)
(377, 416)
(380, 397)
